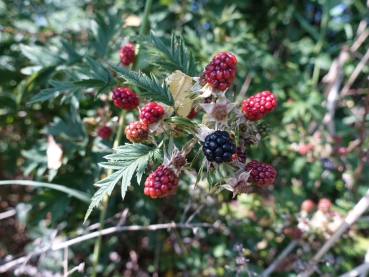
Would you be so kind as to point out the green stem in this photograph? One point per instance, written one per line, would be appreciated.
(97, 248)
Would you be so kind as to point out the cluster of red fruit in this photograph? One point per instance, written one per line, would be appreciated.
(219, 74)
(323, 221)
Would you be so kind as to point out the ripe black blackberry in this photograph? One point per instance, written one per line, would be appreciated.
(218, 147)
(327, 164)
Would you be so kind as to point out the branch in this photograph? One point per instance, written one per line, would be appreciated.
(7, 214)
(111, 230)
(354, 74)
(355, 213)
(281, 256)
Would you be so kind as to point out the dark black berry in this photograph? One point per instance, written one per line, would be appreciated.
(218, 147)
(327, 164)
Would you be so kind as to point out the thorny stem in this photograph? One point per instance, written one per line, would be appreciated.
(97, 247)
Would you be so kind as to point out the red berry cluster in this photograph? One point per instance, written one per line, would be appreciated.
(324, 205)
(261, 173)
(151, 113)
(137, 131)
(161, 182)
(127, 54)
(104, 132)
(307, 206)
(125, 98)
(221, 71)
(257, 106)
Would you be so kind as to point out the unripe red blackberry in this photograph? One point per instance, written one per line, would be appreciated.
(262, 174)
(307, 206)
(104, 132)
(324, 205)
(127, 54)
(192, 114)
(264, 129)
(221, 71)
(125, 98)
(161, 182)
(137, 131)
(218, 147)
(257, 106)
(151, 113)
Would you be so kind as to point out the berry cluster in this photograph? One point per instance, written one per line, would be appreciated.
(221, 71)
(151, 113)
(220, 144)
(218, 147)
(104, 132)
(127, 54)
(125, 98)
(261, 173)
(161, 182)
(257, 106)
(137, 131)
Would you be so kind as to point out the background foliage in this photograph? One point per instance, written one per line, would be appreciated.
(54, 78)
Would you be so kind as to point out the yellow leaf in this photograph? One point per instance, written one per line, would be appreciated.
(179, 85)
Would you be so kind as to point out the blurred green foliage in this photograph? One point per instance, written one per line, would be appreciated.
(286, 47)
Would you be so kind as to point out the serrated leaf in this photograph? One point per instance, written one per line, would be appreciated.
(73, 56)
(180, 85)
(174, 58)
(104, 30)
(52, 93)
(128, 159)
(90, 83)
(106, 187)
(154, 90)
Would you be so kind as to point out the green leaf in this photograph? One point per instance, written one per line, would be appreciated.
(106, 187)
(177, 57)
(52, 93)
(128, 159)
(90, 83)
(154, 90)
(73, 56)
(304, 24)
(72, 192)
(104, 30)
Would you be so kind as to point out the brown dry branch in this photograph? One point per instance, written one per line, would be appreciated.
(7, 214)
(355, 73)
(57, 246)
(352, 216)
(281, 256)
